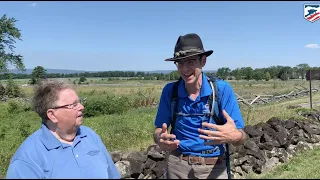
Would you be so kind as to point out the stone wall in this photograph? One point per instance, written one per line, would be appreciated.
(270, 143)
(273, 142)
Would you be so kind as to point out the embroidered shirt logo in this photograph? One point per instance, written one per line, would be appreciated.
(93, 153)
(206, 109)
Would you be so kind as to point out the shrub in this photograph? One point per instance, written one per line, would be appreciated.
(275, 85)
(13, 90)
(267, 76)
(144, 98)
(105, 105)
(2, 91)
(18, 105)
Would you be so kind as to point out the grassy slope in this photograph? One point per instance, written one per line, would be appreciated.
(305, 165)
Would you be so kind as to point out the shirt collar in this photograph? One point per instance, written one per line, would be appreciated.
(51, 142)
(204, 91)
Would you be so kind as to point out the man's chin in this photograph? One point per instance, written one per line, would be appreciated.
(79, 120)
(190, 81)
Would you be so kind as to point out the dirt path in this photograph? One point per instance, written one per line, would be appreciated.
(306, 105)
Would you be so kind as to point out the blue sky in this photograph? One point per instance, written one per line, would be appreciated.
(103, 36)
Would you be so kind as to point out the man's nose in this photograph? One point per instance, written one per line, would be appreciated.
(81, 107)
(185, 67)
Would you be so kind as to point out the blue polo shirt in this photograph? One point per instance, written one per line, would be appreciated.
(186, 128)
(42, 155)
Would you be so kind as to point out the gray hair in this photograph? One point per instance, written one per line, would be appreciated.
(46, 94)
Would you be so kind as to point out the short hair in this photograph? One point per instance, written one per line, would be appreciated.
(46, 94)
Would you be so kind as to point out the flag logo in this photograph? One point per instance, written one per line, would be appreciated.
(312, 12)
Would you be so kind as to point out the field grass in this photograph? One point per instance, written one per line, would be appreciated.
(246, 89)
(263, 113)
(304, 165)
(133, 129)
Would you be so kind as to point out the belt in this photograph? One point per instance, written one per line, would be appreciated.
(191, 159)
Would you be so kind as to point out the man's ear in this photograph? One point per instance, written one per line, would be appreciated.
(203, 60)
(51, 115)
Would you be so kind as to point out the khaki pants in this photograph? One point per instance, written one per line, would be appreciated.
(181, 169)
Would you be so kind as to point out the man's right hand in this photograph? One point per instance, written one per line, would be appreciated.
(167, 142)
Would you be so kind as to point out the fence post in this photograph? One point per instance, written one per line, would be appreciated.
(310, 78)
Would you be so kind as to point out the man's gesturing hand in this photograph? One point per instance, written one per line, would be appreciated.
(167, 141)
(227, 133)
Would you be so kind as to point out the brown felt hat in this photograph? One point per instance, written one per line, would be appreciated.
(187, 46)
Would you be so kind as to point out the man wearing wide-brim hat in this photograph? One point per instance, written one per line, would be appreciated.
(196, 142)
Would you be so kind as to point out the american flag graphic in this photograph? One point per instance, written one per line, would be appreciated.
(312, 12)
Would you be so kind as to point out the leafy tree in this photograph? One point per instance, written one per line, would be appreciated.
(8, 34)
(284, 77)
(267, 76)
(223, 72)
(82, 79)
(174, 75)
(37, 74)
(13, 90)
(258, 74)
(285, 72)
(302, 68)
(274, 71)
(247, 72)
(295, 73)
(237, 74)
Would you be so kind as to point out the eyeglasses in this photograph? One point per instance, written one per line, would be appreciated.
(73, 105)
(189, 63)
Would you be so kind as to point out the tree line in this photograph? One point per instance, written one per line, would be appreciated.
(273, 72)
(244, 73)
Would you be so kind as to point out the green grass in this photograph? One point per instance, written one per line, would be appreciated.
(130, 131)
(263, 113)
(14, 128)
(304, 165)
(273, 87)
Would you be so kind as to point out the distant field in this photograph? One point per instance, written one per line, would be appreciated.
(242, 87)
(116, 80)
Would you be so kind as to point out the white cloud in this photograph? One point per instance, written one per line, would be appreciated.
(312, 46)
(32, 4)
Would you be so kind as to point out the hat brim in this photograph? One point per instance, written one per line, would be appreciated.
(207, 53)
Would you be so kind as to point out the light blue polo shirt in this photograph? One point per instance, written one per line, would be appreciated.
(186, 128)
(42, 155)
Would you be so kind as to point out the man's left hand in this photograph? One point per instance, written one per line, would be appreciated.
(227, 133)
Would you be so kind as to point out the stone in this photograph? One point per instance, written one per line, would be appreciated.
(156, 155)
(269, 164)
(251, 131)
(123, 168)
(116, 156)
(251, 145)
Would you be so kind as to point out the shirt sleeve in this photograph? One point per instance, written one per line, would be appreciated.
(19, 169)
(112, 169)
(164, 108)
(230, 104)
